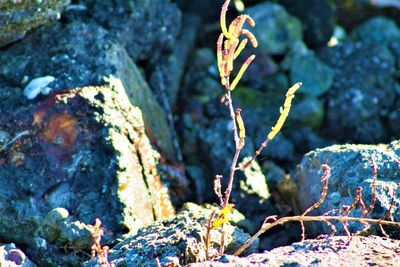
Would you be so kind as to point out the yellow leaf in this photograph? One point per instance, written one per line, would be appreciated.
(222, 217)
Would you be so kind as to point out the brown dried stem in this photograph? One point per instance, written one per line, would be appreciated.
(325, 180)
(300, 218)
(208, 235)
(343, 213)
(97, 249)
(375, 176)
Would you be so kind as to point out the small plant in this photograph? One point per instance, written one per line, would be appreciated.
(97, 249)
(229, 46)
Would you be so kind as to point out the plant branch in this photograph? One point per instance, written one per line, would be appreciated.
(231, 176)
(300, 218)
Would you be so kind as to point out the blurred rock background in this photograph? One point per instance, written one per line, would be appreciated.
(132, 126)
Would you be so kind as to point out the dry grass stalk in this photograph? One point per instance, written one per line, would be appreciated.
(343, 213)
(97, 249)
(229, 47)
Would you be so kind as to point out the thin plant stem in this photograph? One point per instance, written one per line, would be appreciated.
(237, 147)
(301, 218)
(231, 176)
(232, 115)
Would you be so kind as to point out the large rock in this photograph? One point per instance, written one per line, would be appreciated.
(351, 167)
(88, 149)
(165, 80)
(317, 17)
(363, 91)
(330, 252)
(145, 28)
(175, 242)
(159, 43)
(18, 17)
(79, 55)
(276, 30)
(87, 153)
(371, 31)
(308, 112)
(316, 76)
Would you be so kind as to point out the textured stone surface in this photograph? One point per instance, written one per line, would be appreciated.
(276, 30)
(308, 112)
(331, 252)
(315, 75)
(163, 81)
(317, 17)
(179, 240)
(12, 256)
(79, 54)
(363, 91)
(87, 153)
(351, 167)
(371, 31)
(18, 17)
(145, 28)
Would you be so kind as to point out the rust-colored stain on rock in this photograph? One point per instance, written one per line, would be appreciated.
(61, 129)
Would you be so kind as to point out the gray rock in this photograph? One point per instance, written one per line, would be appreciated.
(394, 47)
(285, 192)
(305, 140)
(18, 17)
(362, 92)
(394, 116)
(79, 55)
(372, 31)
(179, 240)
(90, 142)
(275, 83)
(330, 252)
(351, 166)
(235, 217)
(208, 90)
(52, 224)
(11, 256)
(315, 75)
(318, 20)
(308, 112)
(76, 234)
(146, 29)
(255, 182)
(275, 29)
(280, 148)
(259, 69)
(166, 79)
(214, 143)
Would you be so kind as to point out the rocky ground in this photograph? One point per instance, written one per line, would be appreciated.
(332, 251)
(111, 110)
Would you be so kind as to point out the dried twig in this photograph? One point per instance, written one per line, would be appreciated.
(266, 226)
(218, 188)
(325, 180)
(343, 213)
(389, 210)
(208, 235)
(97, 249)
